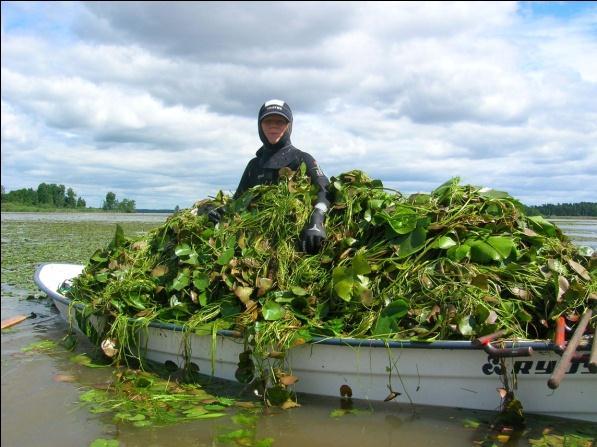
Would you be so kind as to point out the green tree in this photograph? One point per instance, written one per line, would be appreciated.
(81, 203)
(110, 204)
(127, 206)
(44, 194)
(71, 199)
(58, 195)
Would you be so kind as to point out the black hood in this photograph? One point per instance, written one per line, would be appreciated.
(275, 107)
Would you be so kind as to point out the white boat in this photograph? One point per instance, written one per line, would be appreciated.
(457, 374)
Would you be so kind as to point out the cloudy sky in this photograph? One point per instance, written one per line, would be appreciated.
(157, 102)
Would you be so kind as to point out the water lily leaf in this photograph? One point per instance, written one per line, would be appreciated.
(181, 281)
(194, 412)
(209, 415)
(419, 199)
(360, 266)
(226, 256)
(402, 220)
(214, 407)
(183, 250)
(193, 259)
(200, 280)
(136, 417)
(583, 273)
(493, 194)
(459, 252)
(445, 187)
(272, 311)
(414, 241)
(483, 253)
(396, 309)
(542, 226)
(505, 246)
(443, 243)
(390, 316)
(344, 289)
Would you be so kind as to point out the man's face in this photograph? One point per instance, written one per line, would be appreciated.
(274, 126)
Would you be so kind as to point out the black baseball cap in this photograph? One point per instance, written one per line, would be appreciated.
(275, 107)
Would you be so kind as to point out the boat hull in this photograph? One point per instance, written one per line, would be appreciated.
(449, 374)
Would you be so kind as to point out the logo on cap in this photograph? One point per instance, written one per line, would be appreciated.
(275, 102)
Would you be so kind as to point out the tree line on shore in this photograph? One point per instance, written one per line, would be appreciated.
(53, 196)
(58, 196)
(580, 209)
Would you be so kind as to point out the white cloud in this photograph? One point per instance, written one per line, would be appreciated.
(158, 102)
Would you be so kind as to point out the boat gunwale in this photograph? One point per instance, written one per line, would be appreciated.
(536, 345)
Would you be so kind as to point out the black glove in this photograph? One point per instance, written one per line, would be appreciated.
(313, 234)
(215, 214)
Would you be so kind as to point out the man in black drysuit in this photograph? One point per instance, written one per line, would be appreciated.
(275, 126)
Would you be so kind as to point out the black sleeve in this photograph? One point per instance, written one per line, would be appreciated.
(318, 178)
(245, 180)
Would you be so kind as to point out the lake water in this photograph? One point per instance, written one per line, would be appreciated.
(41, 408)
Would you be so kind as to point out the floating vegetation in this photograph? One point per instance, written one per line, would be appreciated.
(101, 442)
(457, 263)
(44, 346)
(546, 432)
(144, 399)
(247, 435)
(26, 243)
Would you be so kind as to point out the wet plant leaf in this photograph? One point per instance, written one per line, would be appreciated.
(483, 253)
(183, 250)
(272, 311)
(444, 243)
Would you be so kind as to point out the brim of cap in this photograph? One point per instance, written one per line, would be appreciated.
(275, 113)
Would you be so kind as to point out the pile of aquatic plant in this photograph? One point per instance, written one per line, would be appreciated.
(457, 263)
